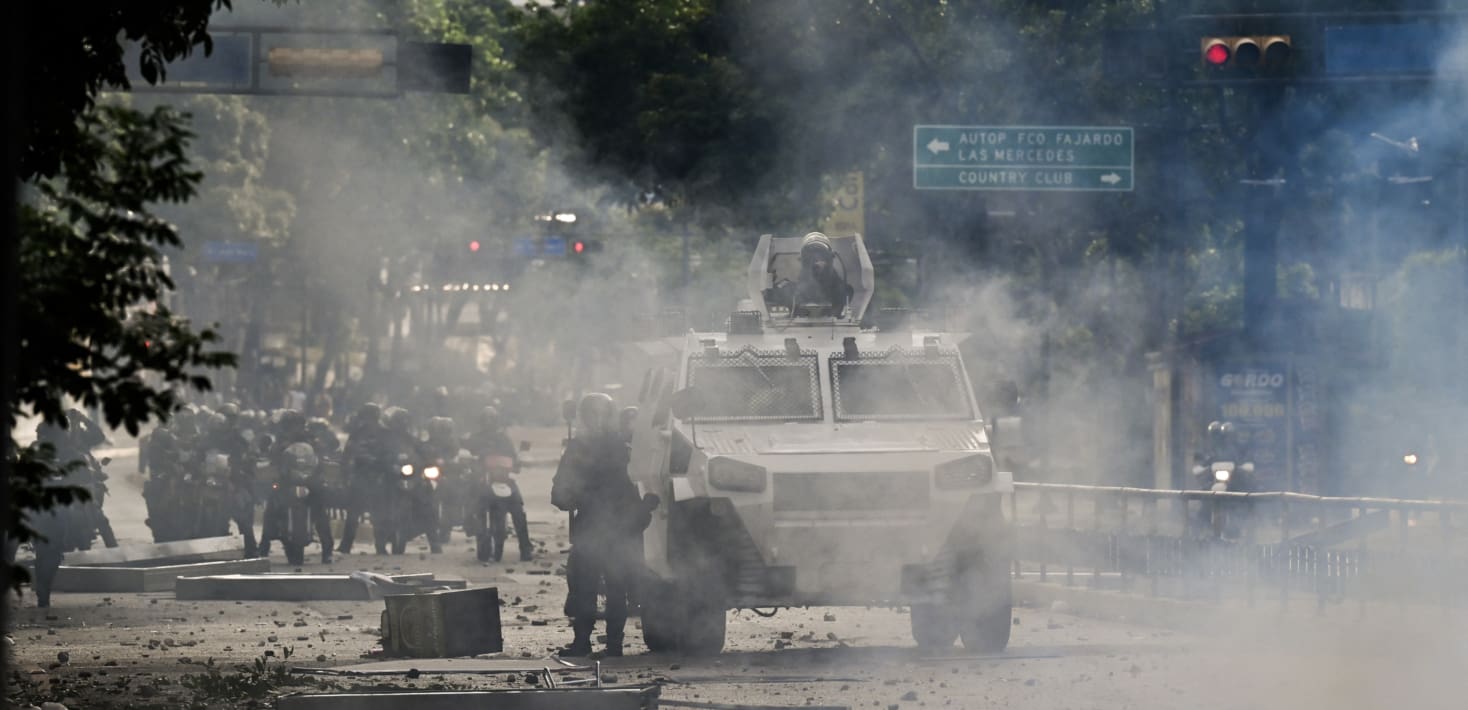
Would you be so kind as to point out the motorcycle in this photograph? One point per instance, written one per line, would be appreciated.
(450, 498)
(414, 508)
(207, 499)
(497, 500)
(1221, 477)
(288, 512)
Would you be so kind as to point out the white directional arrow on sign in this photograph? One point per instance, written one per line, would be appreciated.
(1111, 178)
(936, 146)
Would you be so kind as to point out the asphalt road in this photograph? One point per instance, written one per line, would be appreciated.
(136, 650)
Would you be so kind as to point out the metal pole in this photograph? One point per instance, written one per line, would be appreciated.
(10, 129)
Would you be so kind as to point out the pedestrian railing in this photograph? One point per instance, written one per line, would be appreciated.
(1273, 547)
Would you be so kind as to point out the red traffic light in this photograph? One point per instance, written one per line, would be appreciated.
(578, 247)
(1246, 53)
(1217, 54)
(474, 245)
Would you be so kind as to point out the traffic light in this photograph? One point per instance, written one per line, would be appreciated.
(1246, 53)
(582, 248)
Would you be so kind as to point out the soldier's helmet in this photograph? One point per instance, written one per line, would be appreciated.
(290, 420)
(301, 458)
(398, 420)
(815, 247)
(440, 428)
(367, 415)
(597, 412)
(1220, 434)
(489, 419)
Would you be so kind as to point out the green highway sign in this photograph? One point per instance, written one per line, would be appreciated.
(1045, 158)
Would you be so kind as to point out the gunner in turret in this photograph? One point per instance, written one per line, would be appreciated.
(820, 283)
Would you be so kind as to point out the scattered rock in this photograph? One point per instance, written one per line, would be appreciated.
(299, 622)
(63, 657)
(830, 617)
(272, 638)
(321, 658)
(909, 696)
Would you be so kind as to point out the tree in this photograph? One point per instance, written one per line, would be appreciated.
(91, 325)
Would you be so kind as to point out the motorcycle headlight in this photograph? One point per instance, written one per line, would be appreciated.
(431, 473)
(967, 472)
(1222, 476)
(406, 470)
(732, 475)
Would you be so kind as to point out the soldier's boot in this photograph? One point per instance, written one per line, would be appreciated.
(326, 556)
(580, 645)
(614, 647)
(522, 535)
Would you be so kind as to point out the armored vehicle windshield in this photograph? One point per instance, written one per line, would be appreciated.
(898, 386)
(757, 386)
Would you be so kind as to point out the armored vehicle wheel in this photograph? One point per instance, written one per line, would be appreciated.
(660, 617)
(933, 625)
(676, 619)
(988, 609)
(703, 628)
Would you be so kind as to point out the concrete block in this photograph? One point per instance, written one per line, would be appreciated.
(636, 698)
(206, 549)
(443, 624)
(441, 666)
(147, 579)
(307, 587)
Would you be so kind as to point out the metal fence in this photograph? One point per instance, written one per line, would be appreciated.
(1255, 547)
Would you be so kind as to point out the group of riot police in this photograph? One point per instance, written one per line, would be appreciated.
(204, 470)
(414, 483)
(209, 468)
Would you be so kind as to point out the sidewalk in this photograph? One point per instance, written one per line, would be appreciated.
(1300, 616)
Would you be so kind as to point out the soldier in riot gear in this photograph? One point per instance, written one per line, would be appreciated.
(363, 469)
(820, 282)
(72, 526)
(399, 444)
(489, 439)
(216, 434)
(592, 484)
(298, 465)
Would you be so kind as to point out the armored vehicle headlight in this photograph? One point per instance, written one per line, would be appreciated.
(967, 472)
(431, 472)
(732, 475)
(406, 470)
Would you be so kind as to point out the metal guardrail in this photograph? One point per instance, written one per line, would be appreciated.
(1251, 546)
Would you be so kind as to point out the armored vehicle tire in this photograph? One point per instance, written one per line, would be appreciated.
(661, 617)
(989, 612)
(675, 619)
(933, 625)
(703, 628)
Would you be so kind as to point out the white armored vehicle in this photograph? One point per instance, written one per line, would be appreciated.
(803, 460)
